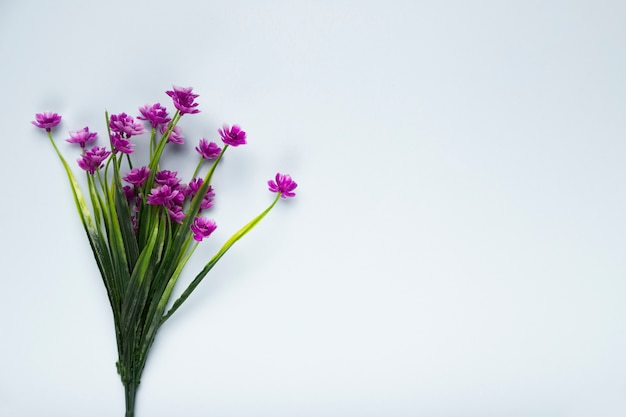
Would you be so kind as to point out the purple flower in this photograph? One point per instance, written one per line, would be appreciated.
(166, 177)
(155, 114)
(208, 150)
(82, 137)
(91, 161)
(283, 185)
(176, 136)
(121, 144)
(193, 187)
(162, 196)
(232, 136)
(137, 176)
(202, 228)
(125, 125)
(129, 192)
(46, 120)
(184, 100)
(176, 214)
(179, 198)
(207, 200)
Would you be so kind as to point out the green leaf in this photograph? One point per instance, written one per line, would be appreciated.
(127, 233)
(96, 238)
(229, 243)
(138, 287)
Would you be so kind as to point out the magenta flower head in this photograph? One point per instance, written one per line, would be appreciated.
(202, 228)
(193, 187)
(121, 144)
(125, 125)
(176, 214)
(46, 120)
(232, 136)
(129, 192)
(208, 150)
(155, 114)
(82, 137)
(93, 159)
(167, 177)
(137, 176)
(207, 200)
(184, 100)
(162, 196)
(283, 185)
(176, 135)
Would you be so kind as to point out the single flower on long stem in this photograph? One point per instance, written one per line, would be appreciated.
(202, 228)
(232, 136)
(283, 184)
(184, 100)
(125, 125)
(46, 120)
(82, 137)
(155, 114)
(208, 150)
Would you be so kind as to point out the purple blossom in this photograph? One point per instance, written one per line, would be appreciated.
(155, 114)
(208, 150)
(129, 192)
(162, 196)
(82, 137)
(170, 198)
(283, 185)
(232, 136)
(202, 228)
(125, 125)
(121, 144)
(184, 100)
(179, 198)
(207, 200)
(192, 190)
(137, 176)
(193, 187)
(176, 136)
(46, 120)
(91, 161)
(176, 214)
(166, 177)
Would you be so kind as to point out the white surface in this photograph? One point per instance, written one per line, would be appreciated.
(456, 247)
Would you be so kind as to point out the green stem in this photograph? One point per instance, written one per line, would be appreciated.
(130, 391)
(197, 168)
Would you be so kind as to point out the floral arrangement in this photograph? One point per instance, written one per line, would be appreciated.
(144, 223)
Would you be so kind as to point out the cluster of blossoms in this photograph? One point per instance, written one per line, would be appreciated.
(163, 188)
(145, 221)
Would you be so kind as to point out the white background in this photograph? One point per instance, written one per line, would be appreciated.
(456, 247)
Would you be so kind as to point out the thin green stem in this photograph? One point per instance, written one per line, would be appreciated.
(130, 164)
(152, 142)
(198, 167)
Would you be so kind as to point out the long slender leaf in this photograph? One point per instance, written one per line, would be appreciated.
(229, 243)
(124, 220)
(139, 283)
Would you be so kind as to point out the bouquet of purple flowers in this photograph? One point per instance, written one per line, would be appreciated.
(143, 222)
